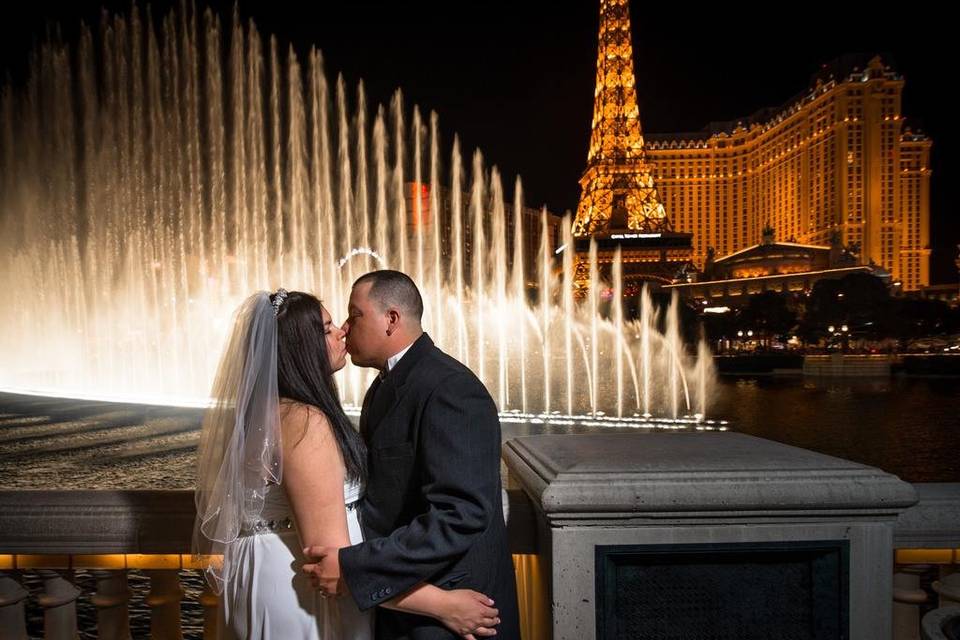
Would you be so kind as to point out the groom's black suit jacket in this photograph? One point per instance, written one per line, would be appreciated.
(432, 510)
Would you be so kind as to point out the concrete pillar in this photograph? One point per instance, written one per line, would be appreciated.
(164, 602)
(908, 596)
(210, 602)
(111, 598)
(59, 601)
(13, 621)
(699, 513)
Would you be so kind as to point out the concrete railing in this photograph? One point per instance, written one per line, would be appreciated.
(660, 501)
(51, 534)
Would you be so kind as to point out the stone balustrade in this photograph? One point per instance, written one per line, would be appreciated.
(47, 537)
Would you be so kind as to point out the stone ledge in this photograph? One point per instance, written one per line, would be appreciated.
(90, 522)
(141, 521)
(698, 474)
(75, 522)
(934, 522)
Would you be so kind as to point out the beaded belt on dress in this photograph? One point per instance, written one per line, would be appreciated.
(279, 525)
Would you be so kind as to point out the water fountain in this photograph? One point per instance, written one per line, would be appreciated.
(154, 174)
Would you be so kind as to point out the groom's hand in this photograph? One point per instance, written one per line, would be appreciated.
(325, 571)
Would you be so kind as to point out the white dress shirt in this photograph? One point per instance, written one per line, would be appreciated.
(394, 359)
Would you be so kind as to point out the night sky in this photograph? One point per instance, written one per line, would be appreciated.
(516, 79)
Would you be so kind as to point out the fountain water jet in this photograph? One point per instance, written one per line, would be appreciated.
(160, 177)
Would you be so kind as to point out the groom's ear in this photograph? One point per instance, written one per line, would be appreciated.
(393, 321)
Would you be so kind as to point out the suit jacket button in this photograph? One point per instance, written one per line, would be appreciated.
(387, 590)
(373, 597)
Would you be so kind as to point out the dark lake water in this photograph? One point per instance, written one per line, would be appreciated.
(906, 426)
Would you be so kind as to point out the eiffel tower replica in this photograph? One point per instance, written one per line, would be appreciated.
(619, 205)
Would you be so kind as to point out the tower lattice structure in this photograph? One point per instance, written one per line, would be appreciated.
(617, 189)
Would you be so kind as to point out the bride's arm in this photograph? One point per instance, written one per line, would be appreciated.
(313, 476)
(463, 611)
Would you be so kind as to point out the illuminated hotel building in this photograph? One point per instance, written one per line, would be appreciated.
(839, 157)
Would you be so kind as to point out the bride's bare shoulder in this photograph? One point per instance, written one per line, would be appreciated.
(298, 420)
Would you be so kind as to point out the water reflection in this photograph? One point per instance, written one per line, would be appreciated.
(907, 426)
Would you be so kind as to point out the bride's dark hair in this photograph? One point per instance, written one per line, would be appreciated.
(304, 373)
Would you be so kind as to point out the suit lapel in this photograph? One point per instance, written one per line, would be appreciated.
(392, 388)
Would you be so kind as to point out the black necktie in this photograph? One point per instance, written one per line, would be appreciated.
(368, 401)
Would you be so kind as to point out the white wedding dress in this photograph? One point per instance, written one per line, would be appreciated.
(270, 598)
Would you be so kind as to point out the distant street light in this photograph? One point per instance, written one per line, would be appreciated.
(844, 328)
(739, 334)
(830, 329)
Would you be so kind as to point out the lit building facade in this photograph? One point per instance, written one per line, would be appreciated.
(838, 157)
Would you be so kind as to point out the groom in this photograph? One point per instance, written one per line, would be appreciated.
(432, 510)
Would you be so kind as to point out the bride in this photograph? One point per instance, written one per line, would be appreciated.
(281, 468)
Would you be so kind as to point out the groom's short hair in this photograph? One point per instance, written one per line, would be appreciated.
(390, 288)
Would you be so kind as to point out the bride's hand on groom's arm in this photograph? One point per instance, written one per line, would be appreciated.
(467, 613)
(324, 572)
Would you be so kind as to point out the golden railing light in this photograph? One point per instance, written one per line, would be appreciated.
(118, 561)
(927, 556)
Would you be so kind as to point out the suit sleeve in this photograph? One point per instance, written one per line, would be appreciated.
(459, 468)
